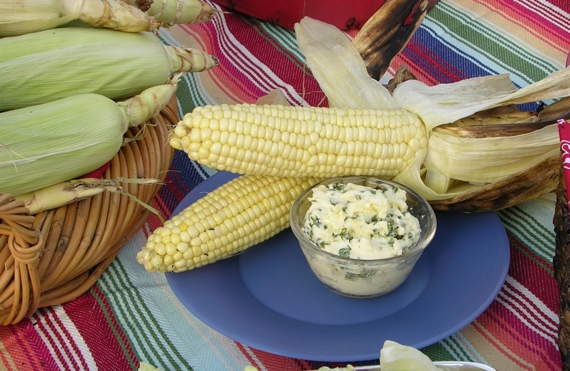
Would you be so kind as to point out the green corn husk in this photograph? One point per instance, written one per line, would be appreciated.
(171, 12)
(64, 193)
(19, 17)
(50, 65)
(54, 142)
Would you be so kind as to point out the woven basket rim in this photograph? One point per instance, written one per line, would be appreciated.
(57, 255)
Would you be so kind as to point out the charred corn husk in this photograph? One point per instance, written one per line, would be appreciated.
(53, 64)
(18, 17)
(239, 214)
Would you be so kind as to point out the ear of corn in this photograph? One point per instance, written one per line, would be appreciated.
(171, 12)
(239, 214)
(53, 142)
(18, 17)
(49, 65)
(301, 141)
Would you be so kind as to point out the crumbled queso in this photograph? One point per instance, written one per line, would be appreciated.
(360, 222)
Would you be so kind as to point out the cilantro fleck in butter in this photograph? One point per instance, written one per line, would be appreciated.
(360, 222)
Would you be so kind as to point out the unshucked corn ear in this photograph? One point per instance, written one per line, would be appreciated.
(49, 65)
(171, 12)
(301, 141)
(237, 215)
(18, 17)
(53, 142)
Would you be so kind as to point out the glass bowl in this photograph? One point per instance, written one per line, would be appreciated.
(359, 278)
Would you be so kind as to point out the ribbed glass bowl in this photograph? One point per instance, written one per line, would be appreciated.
(359, 278)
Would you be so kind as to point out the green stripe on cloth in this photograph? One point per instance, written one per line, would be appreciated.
(130, 306)
(498, 47)
(109, 317)
(530, 230)
(456, 346)
(286, 38)
(146, 306)
(188, 94)
(438, 352)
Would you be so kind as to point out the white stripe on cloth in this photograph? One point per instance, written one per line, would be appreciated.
(529, 309)
(246, 63)
(548, 11)
(58, 333)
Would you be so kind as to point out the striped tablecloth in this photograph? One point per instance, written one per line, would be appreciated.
(131, 315)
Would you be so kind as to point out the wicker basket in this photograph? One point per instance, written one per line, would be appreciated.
(55, 256)
(561, 263)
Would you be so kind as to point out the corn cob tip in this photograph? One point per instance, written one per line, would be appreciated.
(190, 59)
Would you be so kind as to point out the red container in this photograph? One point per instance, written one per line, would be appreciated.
(344, 14)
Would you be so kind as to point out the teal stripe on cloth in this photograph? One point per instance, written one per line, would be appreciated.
(285, 38)
(455, 345)
(178, 340)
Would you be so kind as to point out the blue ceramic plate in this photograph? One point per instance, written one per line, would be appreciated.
(267, 297)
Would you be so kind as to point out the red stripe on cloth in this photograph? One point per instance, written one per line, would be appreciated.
(542, 20)
(66, 350)
(531, 310)
(515, 341)
(290, 69)
(46, 342)
(521, 326)
(244, 72)
(236, 62)
(533, 272)
(224, 75)
(100, 331)
(19, 343)
(428, 66)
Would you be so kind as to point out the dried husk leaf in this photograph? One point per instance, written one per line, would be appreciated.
(503, 174)
(338, 67)
(490, 159)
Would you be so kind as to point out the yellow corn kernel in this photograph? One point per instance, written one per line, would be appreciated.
(239, 214)
(301, 141)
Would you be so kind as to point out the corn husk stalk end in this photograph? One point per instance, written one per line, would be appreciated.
(64, 193)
